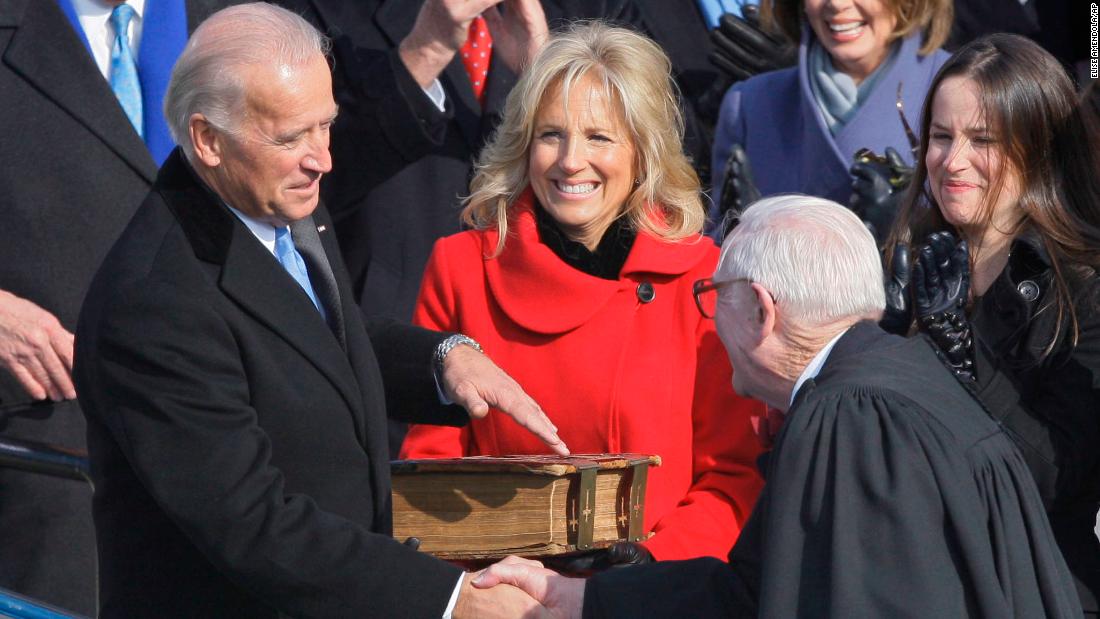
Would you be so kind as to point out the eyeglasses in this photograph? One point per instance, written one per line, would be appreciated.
(705, 292)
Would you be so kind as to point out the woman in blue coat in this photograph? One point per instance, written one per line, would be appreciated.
(802, 126)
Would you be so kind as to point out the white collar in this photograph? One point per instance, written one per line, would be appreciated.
(815, 365)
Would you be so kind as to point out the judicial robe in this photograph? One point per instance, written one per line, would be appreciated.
(890, 493)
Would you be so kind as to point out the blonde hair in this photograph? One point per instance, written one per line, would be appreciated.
(637, 75)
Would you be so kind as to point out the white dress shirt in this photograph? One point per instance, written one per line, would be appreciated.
(95, 19)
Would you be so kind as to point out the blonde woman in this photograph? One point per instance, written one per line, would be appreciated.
(578, 277)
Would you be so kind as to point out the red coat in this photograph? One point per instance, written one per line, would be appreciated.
(613, 373)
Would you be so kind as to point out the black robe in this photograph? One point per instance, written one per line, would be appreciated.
(890, 493)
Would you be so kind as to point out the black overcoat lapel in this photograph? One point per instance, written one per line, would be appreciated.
(251, 277)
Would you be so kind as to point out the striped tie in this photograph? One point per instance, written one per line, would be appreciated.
(124, 75)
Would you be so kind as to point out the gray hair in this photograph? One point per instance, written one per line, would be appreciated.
(208, 77)
(814, 255)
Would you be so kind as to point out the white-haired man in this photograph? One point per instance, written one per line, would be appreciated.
(235, 404)
(890, 491)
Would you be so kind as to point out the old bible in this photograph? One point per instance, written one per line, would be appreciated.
(487, 507)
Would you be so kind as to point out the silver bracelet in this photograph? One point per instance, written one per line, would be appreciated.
(446, 346)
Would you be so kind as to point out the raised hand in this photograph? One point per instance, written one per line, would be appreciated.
(878, 186)
(473, 381)
(519, 30)
(440, 30)
(743, 49)
(738, 187)
(898, 314)
(941, 289)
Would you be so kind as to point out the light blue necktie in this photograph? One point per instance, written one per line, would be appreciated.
(124, 75)
(291, 260)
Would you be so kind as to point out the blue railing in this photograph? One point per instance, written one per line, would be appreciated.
(42, 459)
(16, 606)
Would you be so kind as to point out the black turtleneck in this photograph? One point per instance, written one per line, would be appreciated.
(611, 252)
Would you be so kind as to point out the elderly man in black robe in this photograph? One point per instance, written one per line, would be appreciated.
(890, 491)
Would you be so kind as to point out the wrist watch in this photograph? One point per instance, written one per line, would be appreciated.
(446, 346)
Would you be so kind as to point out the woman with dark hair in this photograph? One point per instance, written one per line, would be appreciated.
(801, 127)
(1014, 306)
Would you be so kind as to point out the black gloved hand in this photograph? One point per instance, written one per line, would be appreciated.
(738, 188)
(620, 554)
(898, 313)
(412, 542)
(941, 288)
(742, 49)
(878, 185)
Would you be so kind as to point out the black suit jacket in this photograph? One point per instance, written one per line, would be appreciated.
(401, 166)
(238, 452)
(72, 172)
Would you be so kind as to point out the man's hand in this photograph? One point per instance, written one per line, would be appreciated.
(505, 601)
(562, 597)
(36, 349)
(473, 381)
(519, 30)
(440, 30)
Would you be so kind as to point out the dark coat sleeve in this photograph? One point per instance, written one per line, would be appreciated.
(405, 358)
(179, 409)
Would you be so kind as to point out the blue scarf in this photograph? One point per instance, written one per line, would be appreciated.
(835, 91)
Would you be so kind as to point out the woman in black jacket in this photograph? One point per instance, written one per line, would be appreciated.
(1014, 304)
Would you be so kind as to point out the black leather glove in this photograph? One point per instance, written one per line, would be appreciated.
(620, 554)
(738, 189)
(941, 287)
(898, 314)
(412, 542)
(742, 49)
(878, 185)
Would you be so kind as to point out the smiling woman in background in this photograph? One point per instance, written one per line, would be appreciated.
(578, 279)
(1015, 305)
(801, 127)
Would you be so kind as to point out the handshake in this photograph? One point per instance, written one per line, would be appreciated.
(517, 587)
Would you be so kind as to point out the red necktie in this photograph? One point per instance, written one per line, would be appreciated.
(476, 53)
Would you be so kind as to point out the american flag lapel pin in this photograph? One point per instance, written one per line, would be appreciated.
(321, 228)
